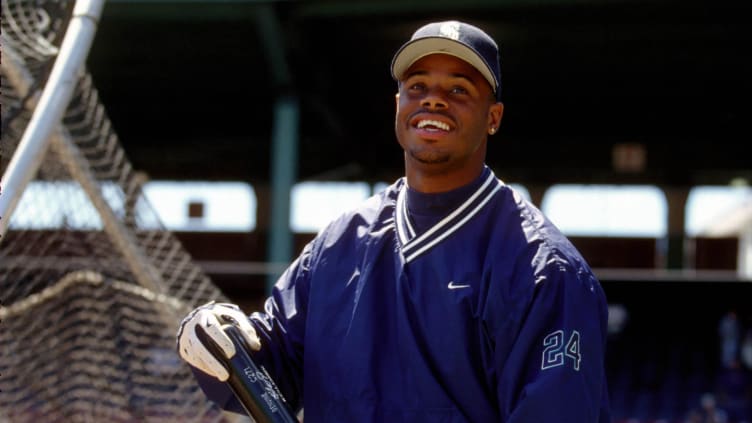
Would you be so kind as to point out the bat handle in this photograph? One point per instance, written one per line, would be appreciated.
(252, 385)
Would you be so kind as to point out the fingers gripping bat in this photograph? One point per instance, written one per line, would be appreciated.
(251, 384)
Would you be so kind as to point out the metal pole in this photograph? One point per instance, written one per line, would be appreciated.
(146, 275)
(284, 141)
(744, 260)
(284, 173)
(52, 104)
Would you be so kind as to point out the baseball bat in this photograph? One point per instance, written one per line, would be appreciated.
(251, 383)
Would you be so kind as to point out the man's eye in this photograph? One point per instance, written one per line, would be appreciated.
(459, 90)
(416, 87)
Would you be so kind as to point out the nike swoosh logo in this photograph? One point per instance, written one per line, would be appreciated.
(452, 285)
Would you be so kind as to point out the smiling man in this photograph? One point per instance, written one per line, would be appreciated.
(445, 298)
(446, 107)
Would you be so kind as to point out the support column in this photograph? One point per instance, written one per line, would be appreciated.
(744, 263)
(670, 250)
(284, 155)
(284, 163)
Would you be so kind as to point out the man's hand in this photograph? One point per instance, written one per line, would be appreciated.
(210, 318)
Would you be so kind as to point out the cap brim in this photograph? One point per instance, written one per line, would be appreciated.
(415, 50)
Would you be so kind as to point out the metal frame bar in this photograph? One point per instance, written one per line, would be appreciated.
(54, 100)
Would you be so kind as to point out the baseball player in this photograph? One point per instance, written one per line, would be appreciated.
(445, 298)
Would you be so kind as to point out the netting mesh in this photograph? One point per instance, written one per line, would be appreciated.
(92, 286)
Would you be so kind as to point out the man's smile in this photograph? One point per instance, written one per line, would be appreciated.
(434, 125)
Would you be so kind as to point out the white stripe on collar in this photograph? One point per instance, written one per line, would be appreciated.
(402, 223)
(413, 247)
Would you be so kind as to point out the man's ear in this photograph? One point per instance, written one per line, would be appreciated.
(396, 102)
(495, 113)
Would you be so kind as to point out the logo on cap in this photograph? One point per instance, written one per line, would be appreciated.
(461, 40)
(450, 30)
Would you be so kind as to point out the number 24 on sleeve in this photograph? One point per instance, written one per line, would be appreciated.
(556, 351)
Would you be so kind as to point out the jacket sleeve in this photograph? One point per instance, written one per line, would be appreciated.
(550, 347)
(281, 329)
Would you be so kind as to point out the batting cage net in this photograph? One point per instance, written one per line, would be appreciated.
(92, 286)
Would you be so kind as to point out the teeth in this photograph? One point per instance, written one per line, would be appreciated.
(434, 123)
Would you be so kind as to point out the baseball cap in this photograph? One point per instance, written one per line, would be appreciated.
(455, 38)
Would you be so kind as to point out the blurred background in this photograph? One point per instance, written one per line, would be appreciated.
(251, 124)
(627, 122)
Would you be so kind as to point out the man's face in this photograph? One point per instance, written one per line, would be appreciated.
(445, 109)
